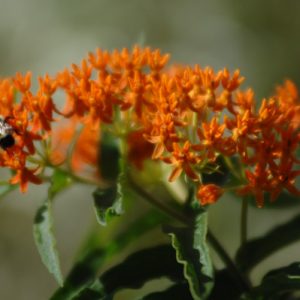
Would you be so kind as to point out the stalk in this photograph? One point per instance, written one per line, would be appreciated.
(187, 221)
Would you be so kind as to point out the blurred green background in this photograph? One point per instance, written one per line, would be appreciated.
(261, 38)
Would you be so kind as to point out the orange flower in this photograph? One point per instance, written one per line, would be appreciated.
(23, 177)
(61, 141)
(182, 159)
(80, 146)
(99, 60)
(86, 150)
(284, 178)
(258, 183)
(24, 136)
(7, 97)
(15, 158)
(156, 61)
(163, 134)
(287, 96)
(209, 193)
(22, 83)
(233, 83)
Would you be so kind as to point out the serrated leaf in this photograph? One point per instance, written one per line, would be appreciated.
(254, 251)
(108, 203)
(277, 283)
(84, 271)
(81, 276)
(43, 226)
(192, 252)
(45, 240)
(140, 267)
(109, 157)
(178, 291)
(137, 269)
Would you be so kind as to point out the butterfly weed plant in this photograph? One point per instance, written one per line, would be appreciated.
(130, 124)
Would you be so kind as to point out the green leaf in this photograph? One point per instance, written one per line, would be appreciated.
(94, 292)
(192, 252)
(178, 291)
(140, 267)
(45, 240)
(137, 269)
(277, 283)
(43, 226)
(129, 234)
(254, 251)
(109, 157)
(108, 203)
(85, 270)
(81, 276)
(89, 294)
(226, 284)
(136, 229)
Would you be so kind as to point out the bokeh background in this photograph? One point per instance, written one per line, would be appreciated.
(261, 38)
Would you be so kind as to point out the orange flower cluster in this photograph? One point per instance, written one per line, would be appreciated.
(29, 115)
(102, 89)
(185, 117)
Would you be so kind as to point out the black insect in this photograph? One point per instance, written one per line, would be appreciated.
(6, 134)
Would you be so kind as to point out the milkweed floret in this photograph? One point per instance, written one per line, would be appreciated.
(209, 193)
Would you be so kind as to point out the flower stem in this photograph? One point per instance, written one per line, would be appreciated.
(188, 221)
(238, 277)
(161, 206)
(244, 220)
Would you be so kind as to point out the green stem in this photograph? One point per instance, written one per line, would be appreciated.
(188, 221)
(238, 277)
(244, 221)
(231, 167)
(70, 174)
(161, 206)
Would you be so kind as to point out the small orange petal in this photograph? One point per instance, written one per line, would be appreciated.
(209, 193)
